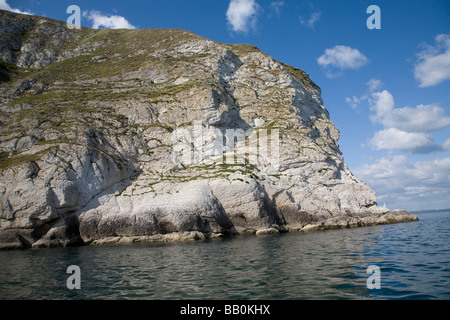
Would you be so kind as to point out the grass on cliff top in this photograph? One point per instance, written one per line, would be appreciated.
(122, 51)
(84, 67)
(139, 38)
(119, 51)
(134, 47)
(241, 49)
(299, 75)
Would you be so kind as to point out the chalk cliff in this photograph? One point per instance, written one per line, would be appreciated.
(153, 135)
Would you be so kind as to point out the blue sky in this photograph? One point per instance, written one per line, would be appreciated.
(387, 90)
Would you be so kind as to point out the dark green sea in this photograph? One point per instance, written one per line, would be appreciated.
(414, 262)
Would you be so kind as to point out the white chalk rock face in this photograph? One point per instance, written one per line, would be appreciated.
(162, 135)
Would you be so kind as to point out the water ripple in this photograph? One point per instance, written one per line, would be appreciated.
(414, 261)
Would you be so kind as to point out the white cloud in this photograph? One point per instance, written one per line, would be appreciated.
(373, 85)
(383, 103)
(394, 138)
(242, 15)
(410, 185)
(342, 57)
(315, 17)
(5, 6)
(422, 118)
(107, 21)
(446, 145)
(276, 7)
(353, 102)
(332, 74)
(406, 128)
(433, 65)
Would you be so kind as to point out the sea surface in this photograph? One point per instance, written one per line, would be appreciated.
(413, 260)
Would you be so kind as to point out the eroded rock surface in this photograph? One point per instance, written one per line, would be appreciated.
(153, 135)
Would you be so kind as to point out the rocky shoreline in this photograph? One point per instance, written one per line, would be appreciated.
(390, 217)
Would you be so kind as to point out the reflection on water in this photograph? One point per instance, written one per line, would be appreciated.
(413, 257)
